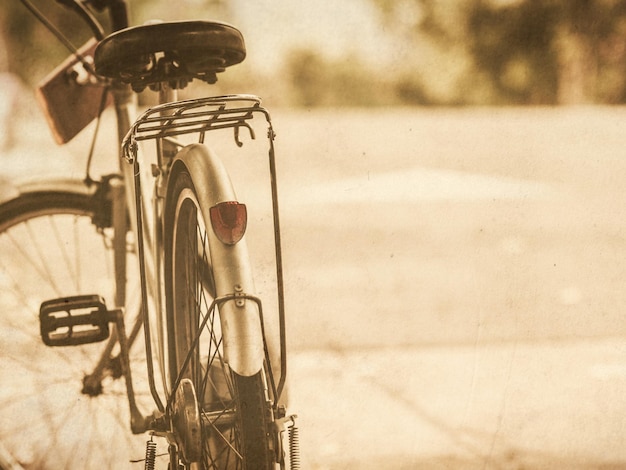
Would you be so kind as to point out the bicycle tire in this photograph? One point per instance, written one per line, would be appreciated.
(243, 443)
(50, 248)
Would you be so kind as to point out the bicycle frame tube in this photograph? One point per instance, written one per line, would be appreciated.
(125, 109)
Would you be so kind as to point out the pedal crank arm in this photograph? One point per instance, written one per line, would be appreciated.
(139, 423)
(85, 319)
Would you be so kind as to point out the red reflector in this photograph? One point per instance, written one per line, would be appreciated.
(229, 220)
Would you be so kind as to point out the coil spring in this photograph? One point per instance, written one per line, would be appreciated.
(294, 447)
(150, 455)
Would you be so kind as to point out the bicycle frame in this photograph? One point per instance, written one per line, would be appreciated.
(162, 123)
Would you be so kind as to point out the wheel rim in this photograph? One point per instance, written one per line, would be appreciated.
(46, 421)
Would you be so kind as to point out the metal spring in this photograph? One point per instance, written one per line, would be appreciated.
(294, 447)
(150, 455)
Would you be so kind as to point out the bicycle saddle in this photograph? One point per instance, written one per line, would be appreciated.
(170, 52)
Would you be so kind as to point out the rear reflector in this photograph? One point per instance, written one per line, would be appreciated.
(229, 220)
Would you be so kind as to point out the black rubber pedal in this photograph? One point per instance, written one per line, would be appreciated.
(70, 321)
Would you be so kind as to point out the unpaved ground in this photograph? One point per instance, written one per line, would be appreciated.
(454, 285)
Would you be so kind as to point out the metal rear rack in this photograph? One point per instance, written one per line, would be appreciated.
(198, 116)
(195, 116)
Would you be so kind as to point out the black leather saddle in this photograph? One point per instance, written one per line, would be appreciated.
(170, 52)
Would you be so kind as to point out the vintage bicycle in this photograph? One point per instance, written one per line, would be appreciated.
(127, 301)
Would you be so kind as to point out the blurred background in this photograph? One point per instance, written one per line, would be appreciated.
(382, 52)
(452, 187)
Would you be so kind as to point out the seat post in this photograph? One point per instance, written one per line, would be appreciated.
(166, 150)
(167, 94)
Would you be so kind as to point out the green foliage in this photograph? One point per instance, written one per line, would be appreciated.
(32, 50)
(315, 80)
(514, 46)
(449, 52)
(521, 51)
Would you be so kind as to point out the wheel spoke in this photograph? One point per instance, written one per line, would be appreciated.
(49, 248)
(197, 348)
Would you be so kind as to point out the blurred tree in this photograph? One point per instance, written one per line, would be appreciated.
(31, 50)
(309, 73)
(514, 47)
(316, 80)
(522, 51)
(591, 45)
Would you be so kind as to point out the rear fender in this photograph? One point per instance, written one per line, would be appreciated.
(241, 324)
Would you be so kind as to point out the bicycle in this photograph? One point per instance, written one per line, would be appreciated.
(167, 248)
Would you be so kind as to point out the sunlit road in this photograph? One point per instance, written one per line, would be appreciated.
(533, 406)
(456, 289)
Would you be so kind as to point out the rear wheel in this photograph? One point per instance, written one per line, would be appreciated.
(233, 409)
(51, 248)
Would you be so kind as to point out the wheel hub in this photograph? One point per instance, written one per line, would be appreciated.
(187, 423)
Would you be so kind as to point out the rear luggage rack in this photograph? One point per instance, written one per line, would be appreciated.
(195, 116)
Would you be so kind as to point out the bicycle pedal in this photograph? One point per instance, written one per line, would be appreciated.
(71, 321)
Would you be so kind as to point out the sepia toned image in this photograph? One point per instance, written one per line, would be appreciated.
(367, 234)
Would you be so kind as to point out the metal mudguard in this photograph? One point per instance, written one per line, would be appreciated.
(240, 321)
